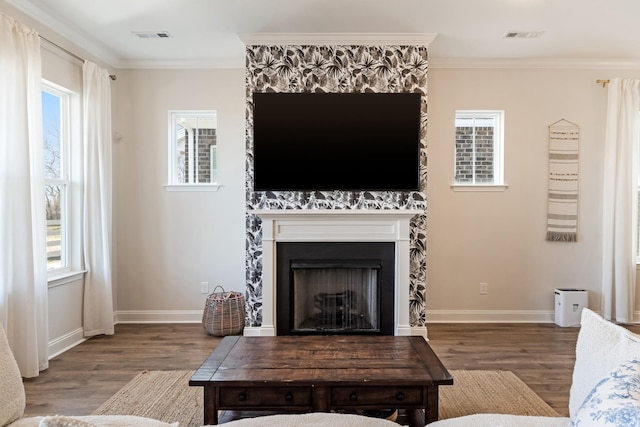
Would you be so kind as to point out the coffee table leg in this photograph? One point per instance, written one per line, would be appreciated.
(431, 414)
(210, 409)
(320, 398)
(415, 417)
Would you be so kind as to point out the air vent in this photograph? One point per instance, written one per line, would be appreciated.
(523, 34)
(153, 34)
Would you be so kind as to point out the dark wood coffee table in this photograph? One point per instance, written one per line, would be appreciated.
(321, 374)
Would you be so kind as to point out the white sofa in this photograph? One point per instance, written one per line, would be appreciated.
(605, 389)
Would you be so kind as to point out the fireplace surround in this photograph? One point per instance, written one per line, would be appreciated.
(387, 64)
(336, 226)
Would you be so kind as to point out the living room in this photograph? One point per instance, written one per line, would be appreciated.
(167, 243)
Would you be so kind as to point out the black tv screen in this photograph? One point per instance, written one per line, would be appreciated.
(336, 141)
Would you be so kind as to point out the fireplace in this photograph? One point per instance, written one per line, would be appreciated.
(349, 226)
(335, 288)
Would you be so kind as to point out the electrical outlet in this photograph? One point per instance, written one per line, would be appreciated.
(204, 287)
(483, 288)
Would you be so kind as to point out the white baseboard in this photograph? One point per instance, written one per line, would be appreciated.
(65, 342)
(158, 316)
(433, 316)
(73, 338)
(258, 331)
(490, 316)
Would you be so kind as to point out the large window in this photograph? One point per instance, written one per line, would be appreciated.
(479, 148)
(56, 136)
(62, 179)
(193, 144)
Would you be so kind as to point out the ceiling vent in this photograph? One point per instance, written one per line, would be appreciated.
(153, 34)
(523, 34)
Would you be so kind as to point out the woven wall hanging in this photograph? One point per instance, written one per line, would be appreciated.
(562, 212)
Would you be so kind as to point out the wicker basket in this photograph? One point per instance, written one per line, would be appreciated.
(223, 313)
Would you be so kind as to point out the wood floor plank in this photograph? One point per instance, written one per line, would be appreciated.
(81, 379)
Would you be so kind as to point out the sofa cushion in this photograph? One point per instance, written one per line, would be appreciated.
(502, 420)
(12, 397)
(602, 346)
(314, 419)
(614, 401)
(91, 420)
(62, 421)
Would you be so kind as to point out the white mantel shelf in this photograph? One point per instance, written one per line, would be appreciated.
(356, 225)
(385, 213)
(335, 225)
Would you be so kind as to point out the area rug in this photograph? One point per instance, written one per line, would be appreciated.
(167, 396)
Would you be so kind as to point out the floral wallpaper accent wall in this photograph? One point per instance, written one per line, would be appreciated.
(335, 69)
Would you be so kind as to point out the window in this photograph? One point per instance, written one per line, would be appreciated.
(56, 136)
(193, 149)
(479, 148)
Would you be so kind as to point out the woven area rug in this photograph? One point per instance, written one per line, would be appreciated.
(167, 396)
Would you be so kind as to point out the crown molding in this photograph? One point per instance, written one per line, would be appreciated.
(324, 39)
(64, 29)
(190, 64)
(434, 63)
(535, 63)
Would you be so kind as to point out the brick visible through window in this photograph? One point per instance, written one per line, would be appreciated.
(477, 148)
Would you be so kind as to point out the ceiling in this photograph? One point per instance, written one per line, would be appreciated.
(206, 33)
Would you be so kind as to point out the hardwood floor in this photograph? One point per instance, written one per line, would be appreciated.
(81, 379)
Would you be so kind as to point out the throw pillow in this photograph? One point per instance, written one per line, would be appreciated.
(12, 397)
(615, 401)
(602, 346)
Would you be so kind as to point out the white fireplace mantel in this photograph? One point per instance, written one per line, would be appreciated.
(336, 226)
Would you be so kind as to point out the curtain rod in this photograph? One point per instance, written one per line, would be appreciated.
(68, 52)
(603, 82)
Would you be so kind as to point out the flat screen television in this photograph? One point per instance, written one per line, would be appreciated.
(336, 141)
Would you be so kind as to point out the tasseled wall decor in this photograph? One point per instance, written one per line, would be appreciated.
(562, 213)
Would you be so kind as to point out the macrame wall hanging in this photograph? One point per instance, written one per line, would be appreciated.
(562, 213)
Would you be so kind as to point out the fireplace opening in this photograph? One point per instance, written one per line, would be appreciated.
(334, 298)
(335, 288)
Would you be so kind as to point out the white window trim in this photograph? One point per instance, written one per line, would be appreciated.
(171, 156)
(64, 179)
(479, 188)
(71, 163)
(65, 278)
(192, 187)
(498, 153)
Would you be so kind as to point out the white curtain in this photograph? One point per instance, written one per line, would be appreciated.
(620, 200)
(23, 257)
(98, 299)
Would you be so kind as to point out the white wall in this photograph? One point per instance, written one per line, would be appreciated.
(167, 243)
(499, 237)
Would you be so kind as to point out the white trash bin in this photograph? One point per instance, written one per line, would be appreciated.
(569, 304)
